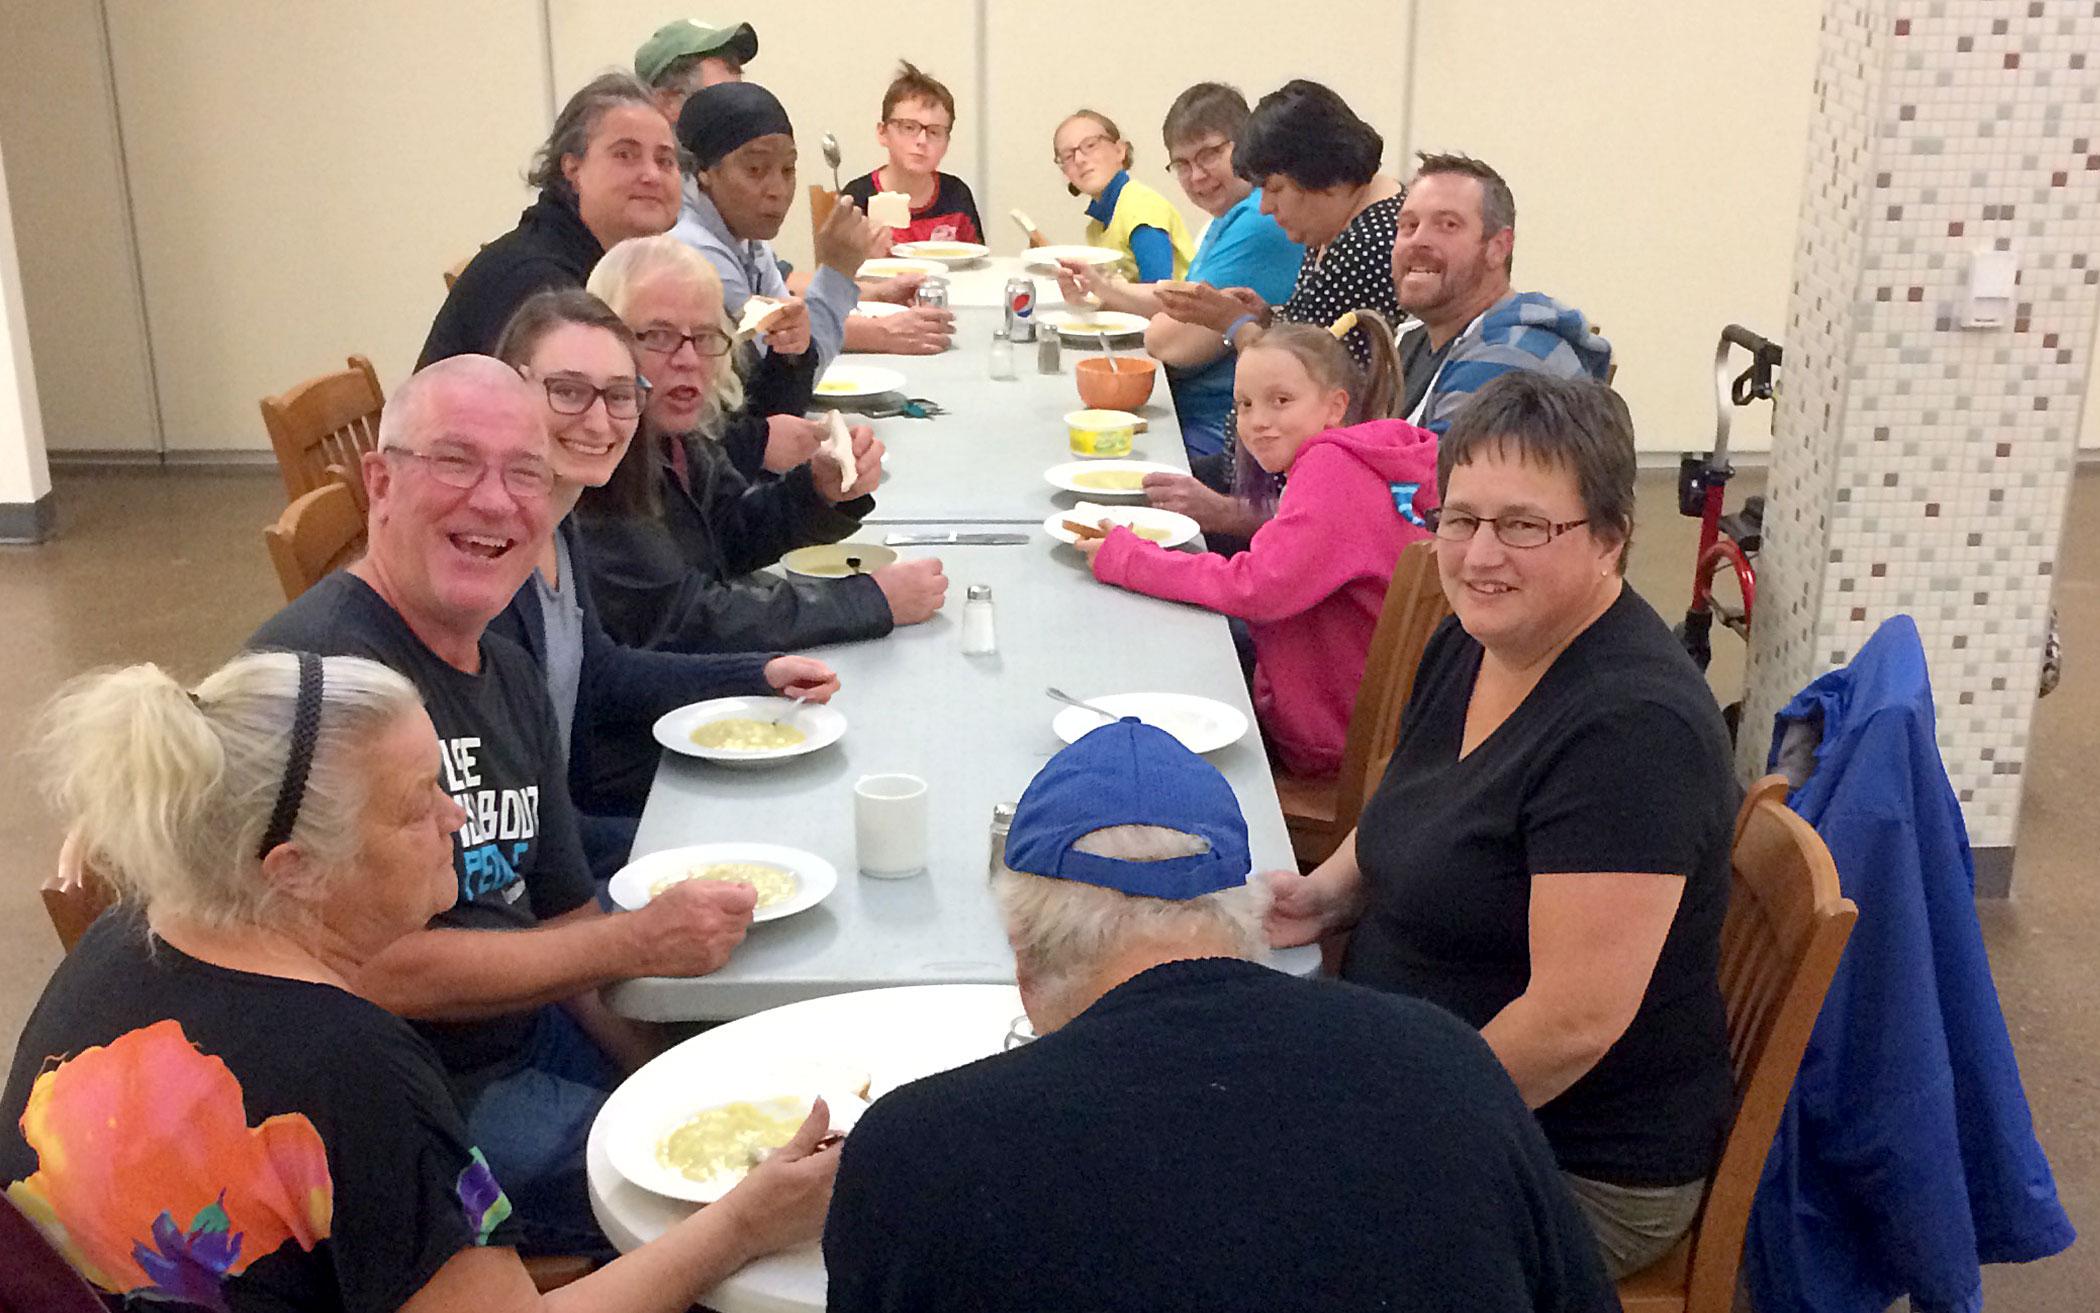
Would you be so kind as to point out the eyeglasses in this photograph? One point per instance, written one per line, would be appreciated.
(666, 341)
(1206, 159)
(573, 396)
(914, 128)
(1510, 530)
(1064, 158)
(528, 479)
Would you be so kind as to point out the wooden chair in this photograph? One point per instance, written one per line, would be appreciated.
(74, 895)
(319, 533)
(1320, 813)
(459, 267)
(320, 428)
(1786, 927)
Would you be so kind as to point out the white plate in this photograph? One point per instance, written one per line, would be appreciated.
(822, 723)
(1201, 724)
(888, 267)
(1085, 325)
(844, 382)
(950, 254)
(828, 560)
(878, 309)
(1043, 259)
(1180, 528)
(814, 877)
(660, 1098)
(1062, 477)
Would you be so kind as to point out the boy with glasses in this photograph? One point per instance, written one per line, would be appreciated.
(918, 119)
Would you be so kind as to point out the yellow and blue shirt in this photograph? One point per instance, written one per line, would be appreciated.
(1142, 224)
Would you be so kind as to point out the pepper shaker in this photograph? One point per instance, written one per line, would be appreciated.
(1048, 351)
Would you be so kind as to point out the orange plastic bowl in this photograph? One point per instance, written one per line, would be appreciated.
(1124, 389)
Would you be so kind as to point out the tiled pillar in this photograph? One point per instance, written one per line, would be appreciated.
(1920, 466)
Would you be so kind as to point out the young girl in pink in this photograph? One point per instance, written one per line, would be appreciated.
(1313, 581)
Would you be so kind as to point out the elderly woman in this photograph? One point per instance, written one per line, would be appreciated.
(1241, 247)
(608, 171)
(1184, 1098)
(677, 530)
(1547, 856)
(1121, 214)
(586, 365)
(1316, 163)
(203, 1108)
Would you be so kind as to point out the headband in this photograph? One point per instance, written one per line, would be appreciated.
(306, 726)
(718, 119)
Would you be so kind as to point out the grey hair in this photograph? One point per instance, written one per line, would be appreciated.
(1573, 424)
(407, 409)
(578, 120)
(1062, 930)
(170, 793)
(635, 261)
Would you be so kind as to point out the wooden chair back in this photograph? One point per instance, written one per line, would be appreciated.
(74, 895)
(822, 201)
(319, 533)
(320, 428)
(1414, 606)
(459, 267)
(1786, 928)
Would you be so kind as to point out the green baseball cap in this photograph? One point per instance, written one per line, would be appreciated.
(692, 36)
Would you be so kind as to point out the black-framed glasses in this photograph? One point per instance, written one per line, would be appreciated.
(1510, 530)
(914, 128)
(1064, 158)
(666, 341)
(568, 395)
(530, 479)
(1206, 159)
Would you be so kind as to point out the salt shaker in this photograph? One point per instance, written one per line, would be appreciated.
(1048, 353)
(1002, 363)
(1002, 822)
(980, 636)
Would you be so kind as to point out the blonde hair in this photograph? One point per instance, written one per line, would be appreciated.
(170, 793)
(1374, 392)
(635, 261)
(1063, 930)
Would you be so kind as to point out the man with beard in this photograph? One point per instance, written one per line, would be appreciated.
(1451, 270)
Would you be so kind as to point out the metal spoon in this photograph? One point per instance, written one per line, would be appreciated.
(1070, 701)
(1113, 367)
(833, 158)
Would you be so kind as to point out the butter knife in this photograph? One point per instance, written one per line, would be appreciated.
(955, 539)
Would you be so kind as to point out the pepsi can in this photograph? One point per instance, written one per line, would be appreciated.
(1020, 309)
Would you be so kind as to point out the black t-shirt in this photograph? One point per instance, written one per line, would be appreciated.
(163, 1103)
(519, 858)
(1617, 761)
(1419, 363)
(1212, 1134)
(951, 216)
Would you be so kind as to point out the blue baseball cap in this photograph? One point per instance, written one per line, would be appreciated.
(1130, 773)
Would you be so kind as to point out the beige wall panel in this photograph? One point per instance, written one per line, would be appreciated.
(1129, 61)
(1655, 149)
(65, 183)
(827, 60)
(302, 174)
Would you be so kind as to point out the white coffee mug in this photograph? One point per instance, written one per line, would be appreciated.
(889, 824)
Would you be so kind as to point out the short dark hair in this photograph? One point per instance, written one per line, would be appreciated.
(1205, 108)
(1498, 208)
(1307, 133)
(1575, 424)
(674, 75)
(912, 83)
(571, 133)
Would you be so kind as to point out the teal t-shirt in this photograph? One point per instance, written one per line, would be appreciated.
(1242, 248)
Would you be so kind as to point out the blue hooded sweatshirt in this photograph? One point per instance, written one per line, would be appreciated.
(1524, 330)
(1906, 1157)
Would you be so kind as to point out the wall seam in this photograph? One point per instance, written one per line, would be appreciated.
(131, 230)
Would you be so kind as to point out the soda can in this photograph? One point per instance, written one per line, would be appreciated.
(1020, 309)
(933, 292)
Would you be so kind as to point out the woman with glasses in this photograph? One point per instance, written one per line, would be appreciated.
(1547, 855)
(677, 530)
(1121, 213)
(586, 364)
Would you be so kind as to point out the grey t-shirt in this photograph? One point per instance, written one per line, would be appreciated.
(564, 620)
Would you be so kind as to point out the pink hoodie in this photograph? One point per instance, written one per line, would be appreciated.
(1312, 583)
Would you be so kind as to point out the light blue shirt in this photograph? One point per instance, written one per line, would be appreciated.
(750, 268)
(1242, 248)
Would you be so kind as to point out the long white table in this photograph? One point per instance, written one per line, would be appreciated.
(983, 460)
